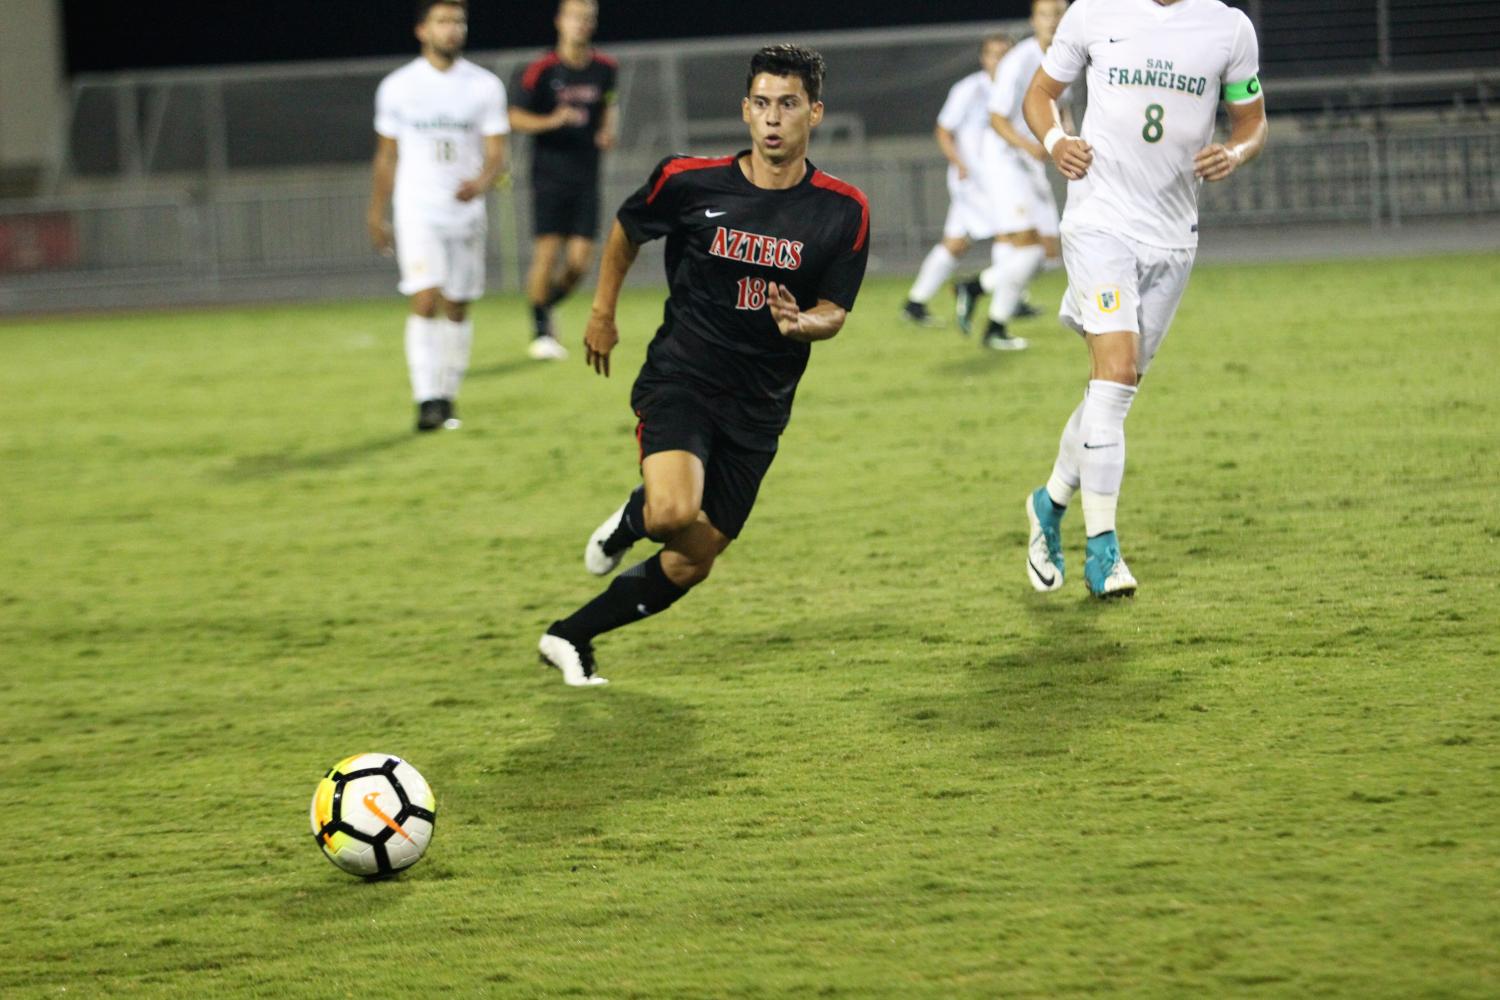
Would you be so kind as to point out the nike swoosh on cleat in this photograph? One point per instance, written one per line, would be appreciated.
(1046, 580)
(1096, 447)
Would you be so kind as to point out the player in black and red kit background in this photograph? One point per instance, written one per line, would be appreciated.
(765, 255)
(566, 99)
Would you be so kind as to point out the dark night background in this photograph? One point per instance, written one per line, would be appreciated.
(107, 35)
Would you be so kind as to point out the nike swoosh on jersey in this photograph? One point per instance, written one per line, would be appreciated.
(1113, 41)
(712, 214)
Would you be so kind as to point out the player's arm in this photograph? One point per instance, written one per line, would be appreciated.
(949, 147)
(531, 123)
(1247, 137)
(1013, 137)
(609, 128)
(822, 322)
(494, 168)
(380, 194)
(601, 335)
(1071, 154)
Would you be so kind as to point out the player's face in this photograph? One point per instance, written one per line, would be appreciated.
(1045, 17)
(780, 116)
(576, 22)
(991, 54)
(445, 30)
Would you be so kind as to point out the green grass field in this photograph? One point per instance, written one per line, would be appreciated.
(864, 760)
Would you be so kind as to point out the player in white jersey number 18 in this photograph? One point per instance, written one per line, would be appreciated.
(1157, 70)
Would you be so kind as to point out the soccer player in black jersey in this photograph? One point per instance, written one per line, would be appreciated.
(566, 99)
(765, 255)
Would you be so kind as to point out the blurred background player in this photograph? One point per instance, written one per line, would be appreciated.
(440, 128)
(1025, 209)
(962, 134)
(567, 100)
(748, 295)
(1156, 74)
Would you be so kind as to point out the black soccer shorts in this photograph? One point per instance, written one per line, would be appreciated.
(559, 208)
(676, 417)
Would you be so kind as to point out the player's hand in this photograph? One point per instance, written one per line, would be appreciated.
(1216, 162)
(1073, 157)
(963, 172)
(567, 114)
(599, 338)
(605, 140)
(381, 237)
(784, 310)
(469, 190)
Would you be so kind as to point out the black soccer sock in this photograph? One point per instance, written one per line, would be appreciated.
(639, 592)
(632, 526)
(541, 321)
(556, 294)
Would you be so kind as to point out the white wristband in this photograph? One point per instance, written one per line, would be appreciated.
(1053, 137)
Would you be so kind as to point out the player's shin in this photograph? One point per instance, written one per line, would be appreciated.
(639, 592)
(458, 343)
(1102, 466)
(934, 273)
(424, 357)
(1012, 269)
(1063, 482)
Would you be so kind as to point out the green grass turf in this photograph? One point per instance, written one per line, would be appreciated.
(864, 760)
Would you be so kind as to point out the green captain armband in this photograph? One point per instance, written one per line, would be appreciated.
(1245, 90)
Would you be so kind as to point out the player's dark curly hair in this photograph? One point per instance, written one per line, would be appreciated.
(790, 60)
(425, 6)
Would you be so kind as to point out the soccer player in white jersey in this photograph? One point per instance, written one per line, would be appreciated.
(1025, 211)
(440, 124)
(1157, 70)
(961, 133)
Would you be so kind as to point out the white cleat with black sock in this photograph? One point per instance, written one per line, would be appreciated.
(595, 559)
(576, 664)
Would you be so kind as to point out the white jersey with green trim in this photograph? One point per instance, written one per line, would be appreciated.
(1156, 74)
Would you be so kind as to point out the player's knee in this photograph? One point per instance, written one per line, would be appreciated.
(425, 305)
(1121, 371)
(690, 571)
(957, 247)
(456, 311)
(666, 517)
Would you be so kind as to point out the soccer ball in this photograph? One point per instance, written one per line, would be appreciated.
(372, 815)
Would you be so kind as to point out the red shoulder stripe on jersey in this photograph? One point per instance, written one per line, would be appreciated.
(683, 164)
(535, 70)
(606, 60)
(832, 183)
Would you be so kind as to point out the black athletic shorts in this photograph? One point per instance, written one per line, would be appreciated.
(564, 209)
(676, 417)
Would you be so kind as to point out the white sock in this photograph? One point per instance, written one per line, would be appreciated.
(458, 341)
(935, 271)
(1014, 268)
(1102, 467)
(1063, 482)
(424, 357)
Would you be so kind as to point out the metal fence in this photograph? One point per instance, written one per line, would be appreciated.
(308, 239)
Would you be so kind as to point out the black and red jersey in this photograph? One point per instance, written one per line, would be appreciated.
(727, 240)
(569, 153)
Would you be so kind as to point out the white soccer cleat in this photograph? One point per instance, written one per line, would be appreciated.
(547, 348)
(1104, 569)
(1044, 557)
(577, 665)
(595, 559)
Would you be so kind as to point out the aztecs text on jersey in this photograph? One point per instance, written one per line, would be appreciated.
(727, 242)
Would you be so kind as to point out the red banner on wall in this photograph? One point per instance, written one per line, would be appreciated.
(37, 242)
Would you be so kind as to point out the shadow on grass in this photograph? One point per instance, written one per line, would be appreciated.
(607, 748)
(981, 362)
(502, 368)
(280, 463)
(1035, 697)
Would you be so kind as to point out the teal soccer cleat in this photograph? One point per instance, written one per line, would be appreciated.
(1044, 557)
(1104, 570)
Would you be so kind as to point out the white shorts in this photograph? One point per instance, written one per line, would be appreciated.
(450, 260)
(1116, 283)
(1020, 195)
(969, 213)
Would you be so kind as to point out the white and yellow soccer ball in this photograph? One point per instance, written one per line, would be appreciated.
(373, 814)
